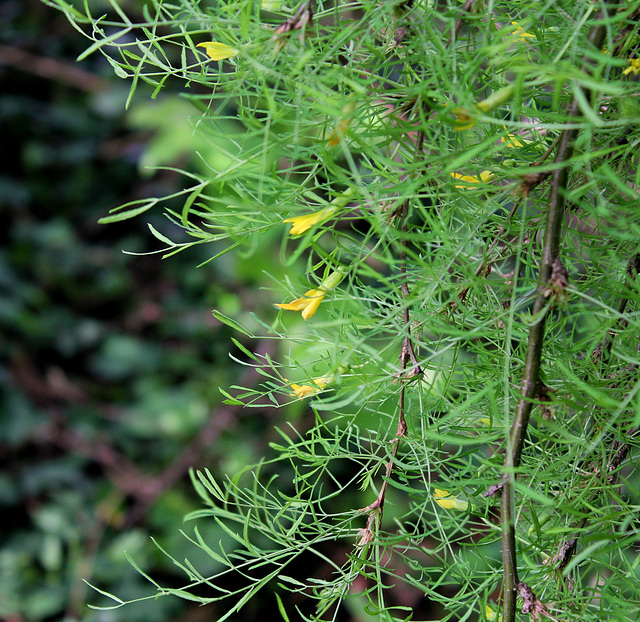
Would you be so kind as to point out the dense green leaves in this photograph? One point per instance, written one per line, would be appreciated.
(453, 191)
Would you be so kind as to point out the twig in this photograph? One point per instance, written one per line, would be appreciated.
(530, 385)
(408, 363)
(604, 347)
(51, 69)
(125, 475)
(456, 31)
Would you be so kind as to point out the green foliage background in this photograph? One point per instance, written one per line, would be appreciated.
(439, 139)
(109, 363)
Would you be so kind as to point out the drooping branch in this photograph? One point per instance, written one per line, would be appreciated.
(409, 368)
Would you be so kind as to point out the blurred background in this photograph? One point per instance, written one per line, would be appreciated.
(110, 363)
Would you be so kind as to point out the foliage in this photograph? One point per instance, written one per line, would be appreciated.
(458, 186)
(108, 362)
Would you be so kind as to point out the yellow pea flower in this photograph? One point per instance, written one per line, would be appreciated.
(444, 499)
(308, 304)
(305, 390)
(519, 32)
(218, 51)
(300, 224)
(485, 176)
(513, 141)
(311, 300)
(634, 66)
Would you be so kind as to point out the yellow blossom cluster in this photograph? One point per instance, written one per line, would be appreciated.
(305, 390)
(301, 224)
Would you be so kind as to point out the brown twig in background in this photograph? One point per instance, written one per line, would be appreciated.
(51, 69)
(603, 349)
(456, 30)
(145, 489)
(407, 357)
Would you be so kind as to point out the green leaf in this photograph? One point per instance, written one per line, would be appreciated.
(221, 317)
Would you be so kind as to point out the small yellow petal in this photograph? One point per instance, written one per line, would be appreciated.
(470, 181)
(296, 305)
(512, 141)
(444, 499)
(463, 121)
(301, 224)
(519, 32)
(305, 390)
(634, 66)
(218, 51)
(308, 304)
(313, 305)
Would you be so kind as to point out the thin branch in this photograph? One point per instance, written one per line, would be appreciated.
(51, 69)
(551, 276)
(468, 5)
(409, 368)
(126, 477)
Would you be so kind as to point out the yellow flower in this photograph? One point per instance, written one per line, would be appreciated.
(218, 51)
(310, 302)
(470, 181)
(444, 499)
(300, 224)
(305, 390)
(634, 66)
(464, 120)
(513, 141)
(519, 32)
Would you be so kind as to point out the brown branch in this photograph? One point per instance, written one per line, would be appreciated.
(468, 5)
(409, 368)
(530, 384)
